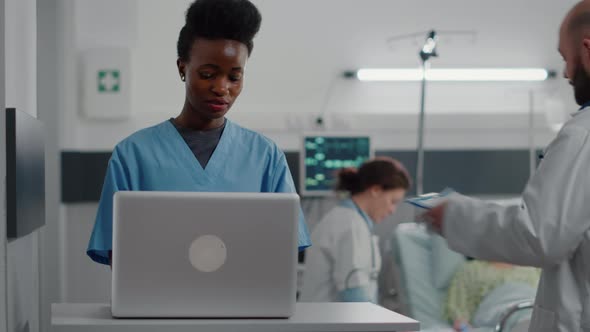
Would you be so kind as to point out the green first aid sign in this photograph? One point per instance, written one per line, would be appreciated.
(109, 80)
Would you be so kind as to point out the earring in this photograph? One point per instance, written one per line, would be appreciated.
(182, 78)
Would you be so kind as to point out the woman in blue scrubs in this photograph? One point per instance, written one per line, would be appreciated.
(200, 150)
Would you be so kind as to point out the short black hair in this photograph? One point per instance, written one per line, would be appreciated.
(237, 20)
(579, 21)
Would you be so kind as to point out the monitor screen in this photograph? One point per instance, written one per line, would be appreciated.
(323, 155)
(25, 173)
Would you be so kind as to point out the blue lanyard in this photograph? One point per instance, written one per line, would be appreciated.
(349, 203)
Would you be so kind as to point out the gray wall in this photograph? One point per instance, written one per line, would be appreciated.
(3, 295)
(23, 284)
(19, 85)
(82, 280)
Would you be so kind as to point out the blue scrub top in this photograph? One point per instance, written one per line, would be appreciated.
(158, 159)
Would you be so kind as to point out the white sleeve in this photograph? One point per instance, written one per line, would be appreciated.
(550, 223)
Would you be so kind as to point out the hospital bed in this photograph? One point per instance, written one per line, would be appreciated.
(425, 266)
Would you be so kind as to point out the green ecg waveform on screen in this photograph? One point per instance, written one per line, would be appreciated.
(326, 155)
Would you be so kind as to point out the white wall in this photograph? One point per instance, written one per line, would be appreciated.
(48, 53)
(82, 27)
(301, 51)
(23, 262)
(294, 75)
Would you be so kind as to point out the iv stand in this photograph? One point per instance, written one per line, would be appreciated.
(428, 50)
(532, 152)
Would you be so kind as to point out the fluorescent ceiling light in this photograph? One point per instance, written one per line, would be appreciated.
(457, 75)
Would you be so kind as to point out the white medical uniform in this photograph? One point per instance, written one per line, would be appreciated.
(344, 261)
(550, 230)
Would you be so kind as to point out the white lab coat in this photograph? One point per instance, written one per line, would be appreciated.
(549, 230)
(340, 257)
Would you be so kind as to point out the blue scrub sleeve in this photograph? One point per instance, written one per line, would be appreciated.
(358, 294)
(101, 239)
(283, 183)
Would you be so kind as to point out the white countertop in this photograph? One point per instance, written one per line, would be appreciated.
(309, 317)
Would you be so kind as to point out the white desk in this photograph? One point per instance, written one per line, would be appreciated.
(309, 317)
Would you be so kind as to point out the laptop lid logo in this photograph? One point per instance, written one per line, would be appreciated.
(207, 253)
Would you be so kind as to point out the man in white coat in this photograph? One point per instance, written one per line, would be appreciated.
(551, 228)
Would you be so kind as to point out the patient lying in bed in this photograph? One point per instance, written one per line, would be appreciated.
(476, 279)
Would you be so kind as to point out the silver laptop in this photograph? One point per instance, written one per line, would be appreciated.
(180, 254)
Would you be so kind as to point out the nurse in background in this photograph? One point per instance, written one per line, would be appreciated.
(344, 263)
(200, 150)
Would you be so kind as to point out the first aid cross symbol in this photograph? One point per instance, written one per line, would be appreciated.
(109, 80)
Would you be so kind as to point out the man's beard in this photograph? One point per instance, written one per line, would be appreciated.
(581, 83)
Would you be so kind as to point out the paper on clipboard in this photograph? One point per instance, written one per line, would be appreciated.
(430, 200)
